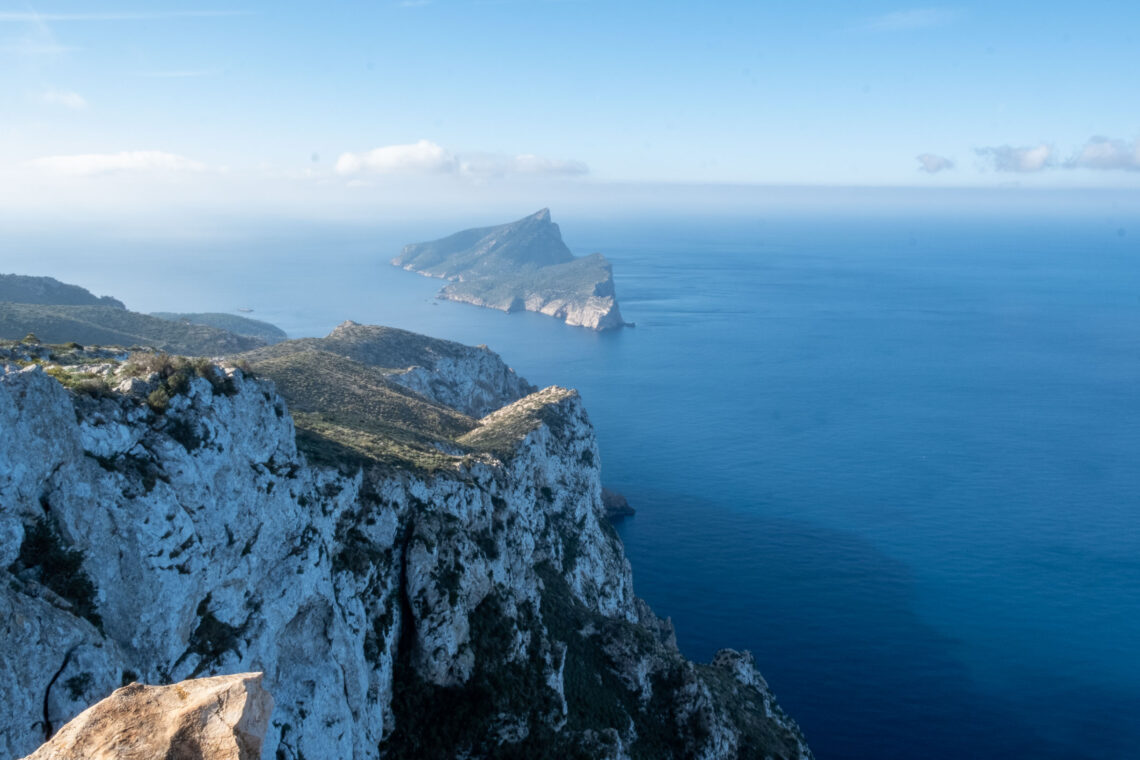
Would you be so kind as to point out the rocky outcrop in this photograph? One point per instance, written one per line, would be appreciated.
(616, 505)
(520, 266)
(486, 610)
(473, 380)
(220, 718)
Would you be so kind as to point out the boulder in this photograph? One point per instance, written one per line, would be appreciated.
(219, 718)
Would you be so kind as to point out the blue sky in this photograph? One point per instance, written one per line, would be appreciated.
(308, 101)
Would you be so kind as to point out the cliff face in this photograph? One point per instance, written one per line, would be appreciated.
(485, 610)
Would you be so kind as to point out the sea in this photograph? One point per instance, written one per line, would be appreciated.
(895, 457)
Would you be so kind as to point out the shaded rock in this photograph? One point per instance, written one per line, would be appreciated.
(616, 505)
(220, 718)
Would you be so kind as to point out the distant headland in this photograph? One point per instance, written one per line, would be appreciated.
(517, 266)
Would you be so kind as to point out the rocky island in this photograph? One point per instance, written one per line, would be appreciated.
(519, 266)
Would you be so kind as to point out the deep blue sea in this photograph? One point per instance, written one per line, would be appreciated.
(896, 458)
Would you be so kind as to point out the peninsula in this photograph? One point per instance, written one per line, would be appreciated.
(517, 266)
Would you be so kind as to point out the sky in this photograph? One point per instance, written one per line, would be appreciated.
(125, 104)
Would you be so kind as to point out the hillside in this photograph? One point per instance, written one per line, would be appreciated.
(111, 325)
(19, 288)
(519, 266)
(250, 328)
(391, 396)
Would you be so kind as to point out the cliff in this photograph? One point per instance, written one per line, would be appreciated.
(158, 522)
(517, 266)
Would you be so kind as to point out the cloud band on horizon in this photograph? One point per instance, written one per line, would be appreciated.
(425, 157)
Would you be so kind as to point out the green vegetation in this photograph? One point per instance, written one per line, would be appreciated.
(516, 266)
(114, 326)
(530, 243)
(78, 685)
(456, 721)
(385, 348)
(174, 375)
(761, 737)
(250, 328)
(341, 406)
(84, 383)
(58, 567)
(499, 432)
(579, 279)
(212, 639)
(47, 290)
(348, 413)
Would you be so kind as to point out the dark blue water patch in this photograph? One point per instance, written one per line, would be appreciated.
(833, 622)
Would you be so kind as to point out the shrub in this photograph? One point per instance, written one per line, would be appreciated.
(59, 568)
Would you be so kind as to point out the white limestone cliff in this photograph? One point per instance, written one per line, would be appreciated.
(162, 546)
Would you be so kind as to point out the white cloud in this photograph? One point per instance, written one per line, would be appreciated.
(529, 163)
(913, 18)
(65, 98)
(423, 157)
(932, 164)
(1107, 154)
(1007, 158)
(426, 158)
(90, 164)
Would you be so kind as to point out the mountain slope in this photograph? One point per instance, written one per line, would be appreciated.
(251, 328)
(48, 290)
(111, 325)
(485, 610)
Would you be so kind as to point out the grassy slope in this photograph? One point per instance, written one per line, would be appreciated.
(19, 288)
(109, 325)
(345, 407)
(253, 328)
(382, 347)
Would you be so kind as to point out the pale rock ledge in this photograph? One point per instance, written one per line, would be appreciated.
(219, 718)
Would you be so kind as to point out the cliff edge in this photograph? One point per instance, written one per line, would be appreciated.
(158, 522)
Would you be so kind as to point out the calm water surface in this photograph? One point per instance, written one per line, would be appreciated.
(898, 459)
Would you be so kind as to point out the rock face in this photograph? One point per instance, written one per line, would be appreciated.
(220, 718)
(484, 610)
(616, 505)
(517, 266)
